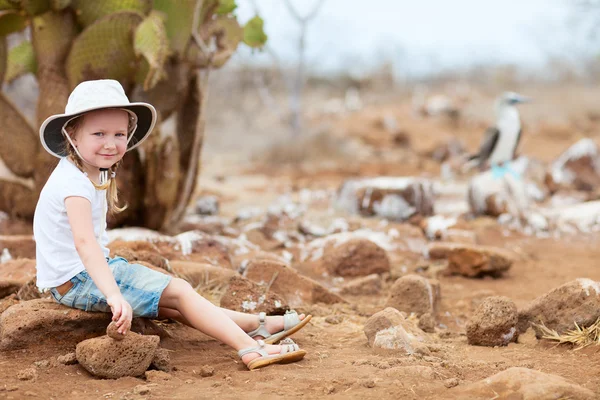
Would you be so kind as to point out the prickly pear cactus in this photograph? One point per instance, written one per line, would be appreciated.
(155, 48)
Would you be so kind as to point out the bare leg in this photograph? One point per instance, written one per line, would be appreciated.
(248, 322)
(208, 318)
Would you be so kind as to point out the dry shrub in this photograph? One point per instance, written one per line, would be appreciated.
(581, 337)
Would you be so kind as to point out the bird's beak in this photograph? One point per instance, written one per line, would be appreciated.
(523, 99)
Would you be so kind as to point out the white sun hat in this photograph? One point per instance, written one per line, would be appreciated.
(96, 95)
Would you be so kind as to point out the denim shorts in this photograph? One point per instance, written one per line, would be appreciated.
(142, 287)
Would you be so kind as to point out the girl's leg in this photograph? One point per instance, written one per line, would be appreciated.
(208, 318)
(248, 322)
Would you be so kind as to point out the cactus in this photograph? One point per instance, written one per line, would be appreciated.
(156, 49)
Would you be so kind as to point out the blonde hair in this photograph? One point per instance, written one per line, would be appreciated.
(112, 193)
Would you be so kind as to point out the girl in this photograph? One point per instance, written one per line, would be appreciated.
(98, 127)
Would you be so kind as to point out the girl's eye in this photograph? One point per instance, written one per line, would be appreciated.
(120, 135)
(98, 134)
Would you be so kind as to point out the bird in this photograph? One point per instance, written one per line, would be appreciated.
(501, 140)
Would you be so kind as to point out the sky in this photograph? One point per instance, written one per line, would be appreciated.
(418, 36)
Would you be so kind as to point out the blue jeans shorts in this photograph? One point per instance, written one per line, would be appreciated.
(142, 288)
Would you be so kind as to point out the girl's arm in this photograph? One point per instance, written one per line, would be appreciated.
(79, 211)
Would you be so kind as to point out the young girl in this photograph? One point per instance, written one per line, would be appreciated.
(98, 127)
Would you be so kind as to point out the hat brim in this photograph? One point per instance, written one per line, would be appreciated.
(54, 142)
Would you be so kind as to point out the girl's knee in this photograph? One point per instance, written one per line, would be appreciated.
(179, 285)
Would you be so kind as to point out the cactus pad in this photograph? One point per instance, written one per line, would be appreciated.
(11, 22)
(105, 50)
(152, 43)
(179, 18)
(18, 139)
(21, 61)
(89, 12)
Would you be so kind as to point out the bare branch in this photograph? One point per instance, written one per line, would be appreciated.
(195, 23)
(311, 15)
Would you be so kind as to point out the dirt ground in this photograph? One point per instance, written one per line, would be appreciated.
(339, 363)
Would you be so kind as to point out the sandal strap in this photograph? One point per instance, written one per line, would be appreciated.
(288, 346)
(260, 349)
(290, 319)
(261, 330)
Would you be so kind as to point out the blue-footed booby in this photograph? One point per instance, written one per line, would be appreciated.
(501, 140)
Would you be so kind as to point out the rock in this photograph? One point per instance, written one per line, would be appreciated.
(577, 301)
(157, 376)
(38, 322)
(451, 382)
(112, 331)
(198, 247)
(14, 274)
(137, 250)
(334, 319)
(67, 359)
(523, 383)
(43, 321)
(211, 225)
(246, 296)
(356, 257)
(162, 360)
(494, 323)
(389, 330)
(427, 323)
(142, 390)
(207, 205)
(27, 374)
(42, 364)
(7, 302)
(392, 198)
(472, 261)
(415, 294)
(18, 246)
(528, 338)
(296, 290)
(577, 168)
(488, 195)
(206, 371)
(367, 285)
(108, 358)
(199, 274)
(30, 291)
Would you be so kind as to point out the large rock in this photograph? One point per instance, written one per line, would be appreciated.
(392, 198)
(366, 285)
(136, 251)
(297, 290)
(577, 168)
(18, 246)
(105, 357)
(522, 383)
(198, 274)
(356, 257)
(43, 321)
(246, 296)
(470, 260)
(14, 274)
(494, 323)
(389, 330)
(415, 294)
(577, 301)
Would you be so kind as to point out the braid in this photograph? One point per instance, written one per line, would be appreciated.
(112, 195)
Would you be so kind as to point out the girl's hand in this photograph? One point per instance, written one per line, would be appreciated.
(122, 312)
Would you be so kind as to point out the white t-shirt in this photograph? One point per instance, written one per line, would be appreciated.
(56, 257)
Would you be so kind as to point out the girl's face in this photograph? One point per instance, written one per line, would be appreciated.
(101, 138)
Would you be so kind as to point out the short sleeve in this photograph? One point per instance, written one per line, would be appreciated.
(77, 185)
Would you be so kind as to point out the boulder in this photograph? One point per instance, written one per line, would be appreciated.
(494, 323)
(522, 383)
(246, 296)
(396, 199)
(356, 257)
(415, 294)
(105, 357)
(18, 246)
(367, 285)
(14, 274)
(43, 321)
(471, 260)
(296, 290)
(577, 168)
(577, 302)
(389, 330)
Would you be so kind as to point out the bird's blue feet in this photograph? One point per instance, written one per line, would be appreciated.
(498, 171)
